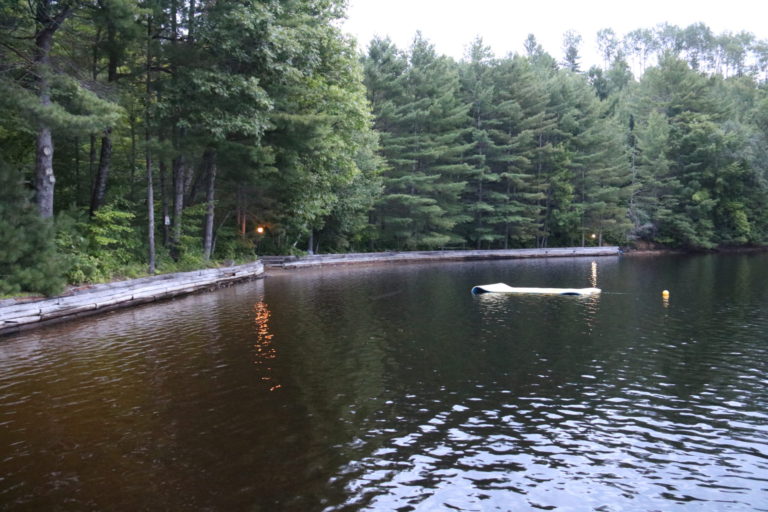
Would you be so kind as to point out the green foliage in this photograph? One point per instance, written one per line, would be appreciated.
(73, 247)
(230, 245)
(28, 260)
(394, 149)
(423, 127)
(540, 157)
(99, 248)
(696, 162)
(74, 108)
(111, 236)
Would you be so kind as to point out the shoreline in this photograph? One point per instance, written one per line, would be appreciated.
(319, 260)
(26, 313)
(21, 314)
(684, 252)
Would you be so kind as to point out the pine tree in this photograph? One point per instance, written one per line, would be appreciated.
(505, 107)
(28, 259)
(53, 101)
(478, 90)
(694, 166)
(424, 144)
(524, 140)
(652, 179)
(607, 184)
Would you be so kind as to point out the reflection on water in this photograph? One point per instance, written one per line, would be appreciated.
(265, 350)
(394, 388)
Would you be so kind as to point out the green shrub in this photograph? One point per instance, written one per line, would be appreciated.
(28, 259)
(99, 248)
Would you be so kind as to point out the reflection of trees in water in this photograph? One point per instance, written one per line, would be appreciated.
(265, 351)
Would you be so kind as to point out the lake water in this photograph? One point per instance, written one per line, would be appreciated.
(393, 388)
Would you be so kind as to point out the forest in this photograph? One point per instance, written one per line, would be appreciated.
(163, 135)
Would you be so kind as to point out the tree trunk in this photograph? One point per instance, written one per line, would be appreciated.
(91, 159)
(105, 157)
(78, 164)
(102, 173)
(192, 182)
(44, 177)
(147, 137)
(150, 209)
(164, 202)
(191, 22)
(132, 189)
(311, 242)
(178, 205)
(178, 163)
(209, 162)
(241, 213)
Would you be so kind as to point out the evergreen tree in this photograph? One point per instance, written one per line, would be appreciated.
(28, 259)
(571, 44)
(606, 185)
(478, 90)
(519, 122)
(694, 164)
(651, 180)
(255, 114)
(49, 100)
(424, 146)
(116, 20)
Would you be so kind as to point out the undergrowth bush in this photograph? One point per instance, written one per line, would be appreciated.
(28, 260)
(100, 248)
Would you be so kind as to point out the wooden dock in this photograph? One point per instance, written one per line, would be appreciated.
(16, 315)
(294, 262)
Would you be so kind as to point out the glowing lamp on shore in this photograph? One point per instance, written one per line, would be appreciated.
(593, 236)
(260, 230)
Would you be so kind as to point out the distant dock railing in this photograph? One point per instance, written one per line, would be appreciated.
(291, 262)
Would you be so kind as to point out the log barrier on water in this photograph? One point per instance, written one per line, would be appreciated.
(18, 314)
(293, 262)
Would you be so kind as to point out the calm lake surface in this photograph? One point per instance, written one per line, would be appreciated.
(393, 388)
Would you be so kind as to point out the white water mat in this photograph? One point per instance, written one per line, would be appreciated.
(504, 288)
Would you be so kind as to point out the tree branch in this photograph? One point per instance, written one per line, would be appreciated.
(17, 52)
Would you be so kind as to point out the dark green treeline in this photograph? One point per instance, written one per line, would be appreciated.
(524, 151)
(163, 134)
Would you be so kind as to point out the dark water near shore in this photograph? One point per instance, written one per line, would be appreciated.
(393, 388)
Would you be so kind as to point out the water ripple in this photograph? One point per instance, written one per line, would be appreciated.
(540, 452)
(396, 389)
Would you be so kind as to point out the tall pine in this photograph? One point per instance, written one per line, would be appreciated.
(424, 143)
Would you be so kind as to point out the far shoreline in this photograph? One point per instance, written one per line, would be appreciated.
(86, 300)
(22, 313)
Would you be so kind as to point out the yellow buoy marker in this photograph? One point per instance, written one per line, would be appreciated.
(665, 298)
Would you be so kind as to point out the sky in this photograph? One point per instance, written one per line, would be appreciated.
(505, 24)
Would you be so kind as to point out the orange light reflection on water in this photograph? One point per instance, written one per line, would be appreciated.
(265, 351)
